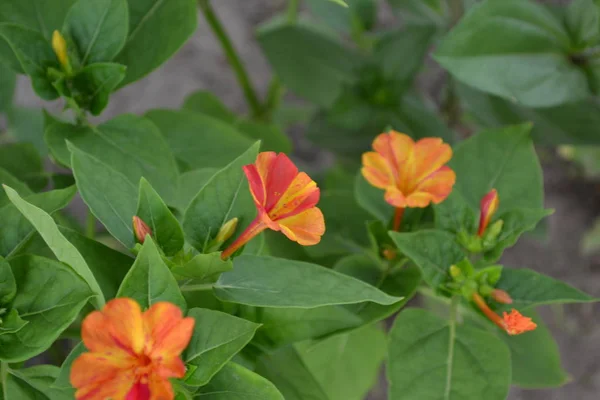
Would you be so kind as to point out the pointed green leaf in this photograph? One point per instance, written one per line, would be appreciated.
(149, 280)
(203, 268)
(63, 380)
(108, 193)
(235, 382)
(190, 184)
(49, 297)
(97, 28)
(431, 359)
(60, 246)
(27, 125)
(35, 383)
(528, 289)
(225, 196)
(16, 229)
(217, 338)
(147, 46)
(456, 215)
(432, 251)
(95, 83)
(8, 179)
(8, 286)
(41, 16)
(165, 228)
(24, 162)
(275, 282)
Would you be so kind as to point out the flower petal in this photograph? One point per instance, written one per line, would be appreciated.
(305, 228)
(301, 195)
(139, 391)
(125, 324)
(395, 147)
(160, 388)
(395, 197)
(281, 174)
(100, 376)
(168, 332)
(428, 156)
(377, 171)
(434, 189)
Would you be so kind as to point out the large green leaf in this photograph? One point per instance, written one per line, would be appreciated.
(129, 144)
(199, 141)
(346, 365)
(235, 382)
(190, 184)
(35, 55)
(41, 16)
(312, 65)
(275, 282)
(110, 196)
(97, 28)
(217, 338)
(356, 17)
(165, 228)
(225, 196)
(49, 297)
(203, 268)
(422, 12)
(582, 19)
(147, 45)
(16, 228)
(430, 358)
(456, 215)
(514, 49)
(35, 383)
(27, 125)
(8, 80)
(535, 357)
(371, 199)
(8, 179)
(528, 289)
(503, 159)
(63, 249)
(149, 280)
(433, 251)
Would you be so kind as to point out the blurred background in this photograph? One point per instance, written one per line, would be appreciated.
(572, 188)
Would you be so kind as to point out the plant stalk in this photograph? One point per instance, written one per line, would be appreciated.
(292, 11)
(232, 56)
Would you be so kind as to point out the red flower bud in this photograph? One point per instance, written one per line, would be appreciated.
(501, 296)
(141, 229)
(489, 206)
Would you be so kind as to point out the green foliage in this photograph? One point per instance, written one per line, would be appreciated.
(235, 382)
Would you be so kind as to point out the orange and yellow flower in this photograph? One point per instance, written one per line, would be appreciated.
(413, 174)
(131, 354)
(489, 206)
(285, 199)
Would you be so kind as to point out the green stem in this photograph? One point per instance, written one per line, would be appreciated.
(452, 338)
(3, 375)
(456, 11)
(232, 56)
(90, 225)
(194, 288)
(292, 11)
(274, 96)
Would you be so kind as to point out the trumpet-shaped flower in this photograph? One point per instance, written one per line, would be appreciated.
(515, 323)
(285, 199)
(489, 206)
(131, 354)
(413, 174)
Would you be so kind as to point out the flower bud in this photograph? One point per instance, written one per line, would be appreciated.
(141, 229)
(389, 254)
(227, 230)
(489, 206)
(501, 296)
(455, 272)
(59, 45)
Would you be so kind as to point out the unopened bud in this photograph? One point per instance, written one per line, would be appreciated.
(501, 296)
(227, 231)
(141, 229)
(59, 45)
(389, 254)
(455, 272)
(492, 233)
(489, 206)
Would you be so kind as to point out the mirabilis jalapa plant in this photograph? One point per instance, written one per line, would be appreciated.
(226, 273)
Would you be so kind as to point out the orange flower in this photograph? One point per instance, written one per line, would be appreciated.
(285, 200)
(515, 323)
(413, 174)
(489, 206)
(132, 354)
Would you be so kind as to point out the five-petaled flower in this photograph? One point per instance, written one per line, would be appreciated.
(515, 323)
(489, 206)
(285, 199)
(131, 354)
(413, 174)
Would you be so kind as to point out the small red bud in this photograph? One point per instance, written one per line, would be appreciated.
(501, 296)
(141, 229)
(489, 206)
(389, 254)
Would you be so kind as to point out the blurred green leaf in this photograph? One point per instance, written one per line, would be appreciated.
(23, 161)
(95, 83)
(234, 382)
(583, 22)
(8, 286)
(8, 80)
(203, 268)
(190, 183)
(27, 125)
(35, 383)
(515, 49)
